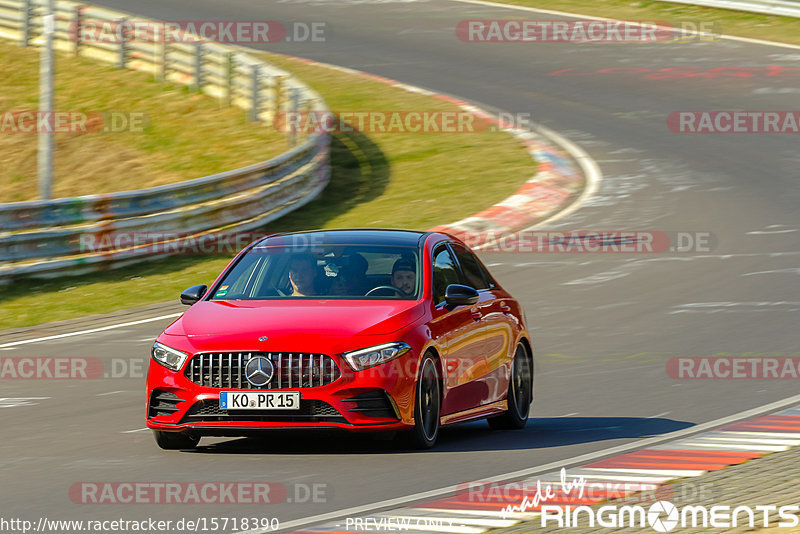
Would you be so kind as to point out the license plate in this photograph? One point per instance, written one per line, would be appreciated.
(259, 400)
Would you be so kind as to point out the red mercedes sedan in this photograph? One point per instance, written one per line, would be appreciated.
(362, 330)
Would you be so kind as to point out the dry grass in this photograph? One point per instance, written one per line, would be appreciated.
(186, 135)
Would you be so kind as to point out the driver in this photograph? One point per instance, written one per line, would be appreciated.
(404, 276)
(302, 273)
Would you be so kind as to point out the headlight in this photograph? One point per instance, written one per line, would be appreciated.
(168, 357)
(372, 356)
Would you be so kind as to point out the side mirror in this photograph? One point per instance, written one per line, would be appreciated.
(193, 294)
(458, 295)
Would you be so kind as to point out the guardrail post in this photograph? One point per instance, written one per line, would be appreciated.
(254, 103)
(26, 24)
(162, 50)
(227, 65)
(294, 108)
(76, 20)
(279, 98)
(122, 44)
(198, 67)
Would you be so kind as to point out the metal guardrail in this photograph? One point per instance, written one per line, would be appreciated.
(785, 8)
(44, 238)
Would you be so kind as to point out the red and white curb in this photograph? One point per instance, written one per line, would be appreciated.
(558, 181)
(475, 511)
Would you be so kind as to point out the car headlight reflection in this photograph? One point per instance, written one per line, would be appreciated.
(372, 356)
(168, 357)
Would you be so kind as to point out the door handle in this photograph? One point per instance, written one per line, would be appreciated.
(477, 316)
(505, 308)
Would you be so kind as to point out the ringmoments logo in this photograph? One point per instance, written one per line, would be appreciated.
(661, 516)
(664, 516)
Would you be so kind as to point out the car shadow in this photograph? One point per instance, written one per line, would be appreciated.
(540, 433)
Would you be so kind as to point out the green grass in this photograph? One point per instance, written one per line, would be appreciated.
(730, 22)
(403, 180)
(186, 135)
(412, 181)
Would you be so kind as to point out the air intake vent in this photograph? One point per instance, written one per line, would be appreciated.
(310, 411)
(163, 403)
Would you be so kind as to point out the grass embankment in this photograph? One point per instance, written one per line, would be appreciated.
(404, 180)
(185, 135)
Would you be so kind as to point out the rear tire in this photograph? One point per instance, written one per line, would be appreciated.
(520, 394)
(173, 441)
(427, 406)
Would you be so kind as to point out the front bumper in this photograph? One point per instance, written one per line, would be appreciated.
(376, 399)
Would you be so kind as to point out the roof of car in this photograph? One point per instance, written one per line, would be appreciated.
(361, 236)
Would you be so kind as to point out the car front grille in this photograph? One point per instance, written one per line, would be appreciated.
(291, 370)
(311, 410)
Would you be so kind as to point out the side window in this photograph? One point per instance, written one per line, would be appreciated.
(444, 273)
(487, 276)
(470, 267)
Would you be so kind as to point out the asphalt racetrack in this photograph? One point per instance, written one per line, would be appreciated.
(605, 325)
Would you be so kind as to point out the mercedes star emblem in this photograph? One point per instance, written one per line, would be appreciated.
(259, 371)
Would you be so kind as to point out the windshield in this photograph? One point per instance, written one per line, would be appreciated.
(329, 272)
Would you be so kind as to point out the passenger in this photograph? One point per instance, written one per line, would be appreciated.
(404, 276)
(302, 276)
(352, 277)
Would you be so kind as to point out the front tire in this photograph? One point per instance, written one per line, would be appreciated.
(173, 441)
(427, 406)
(520, 394)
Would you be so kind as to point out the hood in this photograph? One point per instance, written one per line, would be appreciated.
(292, 318)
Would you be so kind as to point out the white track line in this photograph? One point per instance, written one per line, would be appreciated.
(374, 527)
(674, 473)
(600, 477)
(639, 444)
(591, 17)
(526, 516)
(741, 440)
(90, 331)
(749, 448)
(455, 519)
(763, 434)
(591, 171)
